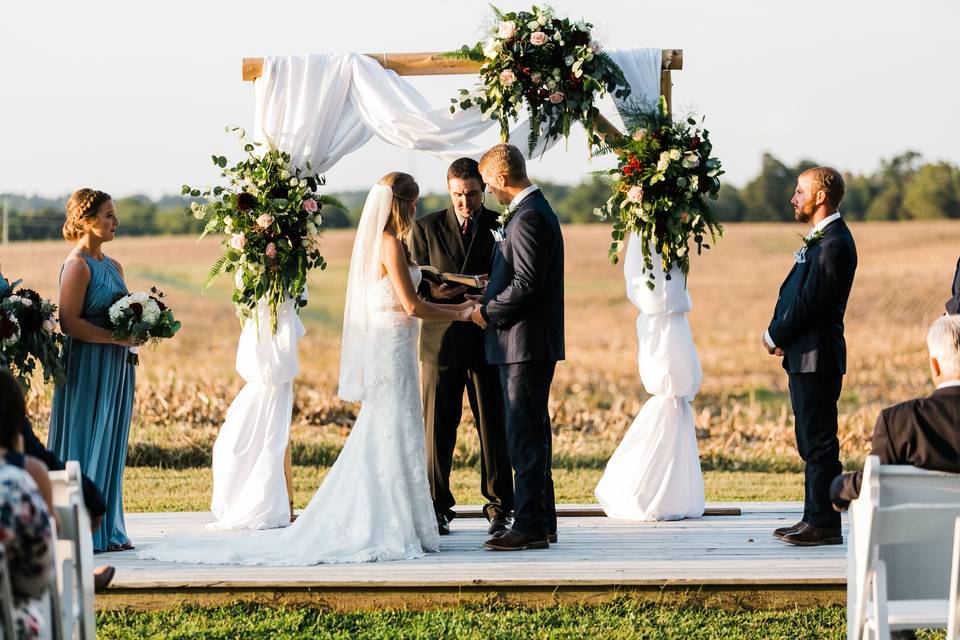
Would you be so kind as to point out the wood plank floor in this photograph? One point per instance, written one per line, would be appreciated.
(723, 560)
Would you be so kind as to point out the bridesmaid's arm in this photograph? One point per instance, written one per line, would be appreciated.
(395, 261)
(73, 288)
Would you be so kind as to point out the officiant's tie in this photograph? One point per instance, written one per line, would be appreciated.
(465, 229)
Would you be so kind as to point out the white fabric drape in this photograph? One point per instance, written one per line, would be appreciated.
(319, 108)
(655, 472)
(249, 488)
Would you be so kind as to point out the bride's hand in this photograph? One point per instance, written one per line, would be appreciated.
(464, 313)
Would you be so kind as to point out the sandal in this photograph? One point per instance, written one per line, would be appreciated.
(113, 548)
(127, 546)
(293, 516)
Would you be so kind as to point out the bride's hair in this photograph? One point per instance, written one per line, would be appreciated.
(405, 192)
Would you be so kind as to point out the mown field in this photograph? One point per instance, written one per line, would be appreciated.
(742, 412)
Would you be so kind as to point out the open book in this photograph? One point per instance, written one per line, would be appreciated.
(436, 276)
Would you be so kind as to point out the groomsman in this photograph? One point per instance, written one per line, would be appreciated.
(807, 332)
(459, 239)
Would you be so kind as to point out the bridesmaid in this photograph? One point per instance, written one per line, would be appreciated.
(90, 418)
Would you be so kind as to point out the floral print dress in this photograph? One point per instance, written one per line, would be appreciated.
(27, 537)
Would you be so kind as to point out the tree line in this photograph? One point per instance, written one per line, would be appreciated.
(902, 188)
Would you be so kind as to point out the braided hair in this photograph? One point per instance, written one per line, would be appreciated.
(82, 205)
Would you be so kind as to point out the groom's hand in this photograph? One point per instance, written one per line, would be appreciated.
(770, 350)
(477, 318)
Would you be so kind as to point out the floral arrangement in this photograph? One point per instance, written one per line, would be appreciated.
(28, 334)
(664, 175)
(270, 215)
(142, 316)
(551, 64)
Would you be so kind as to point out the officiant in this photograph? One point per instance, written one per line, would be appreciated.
(459, 239)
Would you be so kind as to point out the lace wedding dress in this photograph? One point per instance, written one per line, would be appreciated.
(374, 504)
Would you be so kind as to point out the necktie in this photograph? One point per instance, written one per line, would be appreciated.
(465, 229)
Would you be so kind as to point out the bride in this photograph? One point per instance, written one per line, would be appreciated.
(375, 502)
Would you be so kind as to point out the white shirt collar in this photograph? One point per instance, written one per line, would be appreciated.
(517, 199)
(948, 383)
(823, 223)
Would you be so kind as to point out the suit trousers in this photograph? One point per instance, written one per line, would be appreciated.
(526, 390)
(814, 397)
(442, 389)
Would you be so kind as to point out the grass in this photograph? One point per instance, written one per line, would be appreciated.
(621, 618)
(151, 489)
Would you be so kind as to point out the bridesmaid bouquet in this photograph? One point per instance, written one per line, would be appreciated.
(28, 334)
(142, 316)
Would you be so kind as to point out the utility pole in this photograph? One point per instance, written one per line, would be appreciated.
(6, 222)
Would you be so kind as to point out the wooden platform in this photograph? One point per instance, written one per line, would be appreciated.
(721, 560)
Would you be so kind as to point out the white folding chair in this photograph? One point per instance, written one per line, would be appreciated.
(6, 597)
(903, 558)
(75, 554)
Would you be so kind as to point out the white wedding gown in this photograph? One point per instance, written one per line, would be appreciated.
(374, 504)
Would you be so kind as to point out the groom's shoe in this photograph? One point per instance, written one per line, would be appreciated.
(516, 541)
(443, 524)
(498, 524)
(552, 538)
(807, 536)
(782, 531)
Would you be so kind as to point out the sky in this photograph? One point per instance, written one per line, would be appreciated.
(132, 97)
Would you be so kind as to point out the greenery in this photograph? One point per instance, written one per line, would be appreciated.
(270, 215)
(902, 188)
(550, 64)
(662, 180)
(623, 617)
(28, 334)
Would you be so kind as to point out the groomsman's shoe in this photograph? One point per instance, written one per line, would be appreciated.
(782, 531)
(443, 524)
(498, 524)
(807, 536)
(516, 541)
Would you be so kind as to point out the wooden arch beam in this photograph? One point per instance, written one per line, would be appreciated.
(434, 64)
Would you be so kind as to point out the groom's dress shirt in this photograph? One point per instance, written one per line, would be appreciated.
(807, 322)
(817, 227)
(924, 432)
(517, 199)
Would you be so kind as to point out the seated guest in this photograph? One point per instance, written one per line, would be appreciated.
(953, 304)
(924, 432)
(25, 530)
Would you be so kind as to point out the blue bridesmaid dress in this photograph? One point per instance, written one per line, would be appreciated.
(90, 418)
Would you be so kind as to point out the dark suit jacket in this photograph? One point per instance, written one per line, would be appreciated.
(435, 240)
(808, 319)
(523, 305)
(953, 304)
(924, 432)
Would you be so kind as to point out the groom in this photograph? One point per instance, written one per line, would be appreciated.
(807, 331)
(523, 313)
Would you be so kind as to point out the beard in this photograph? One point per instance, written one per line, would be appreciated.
(804, 213)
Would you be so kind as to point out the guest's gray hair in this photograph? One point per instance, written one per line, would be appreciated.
(943, 341)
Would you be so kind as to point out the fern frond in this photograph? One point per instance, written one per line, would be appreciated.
(215, 272)
(330, 201)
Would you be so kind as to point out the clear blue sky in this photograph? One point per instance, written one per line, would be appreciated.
(132, 97)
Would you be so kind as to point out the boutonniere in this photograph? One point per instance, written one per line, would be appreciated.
(504, 217)
(800, 255)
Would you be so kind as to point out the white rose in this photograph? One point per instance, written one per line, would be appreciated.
(533, 25)
(303, 182)
(507, 29)
(674, 154)
(491, 48)
(294, 182)
(284, 175)
(318, 220)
